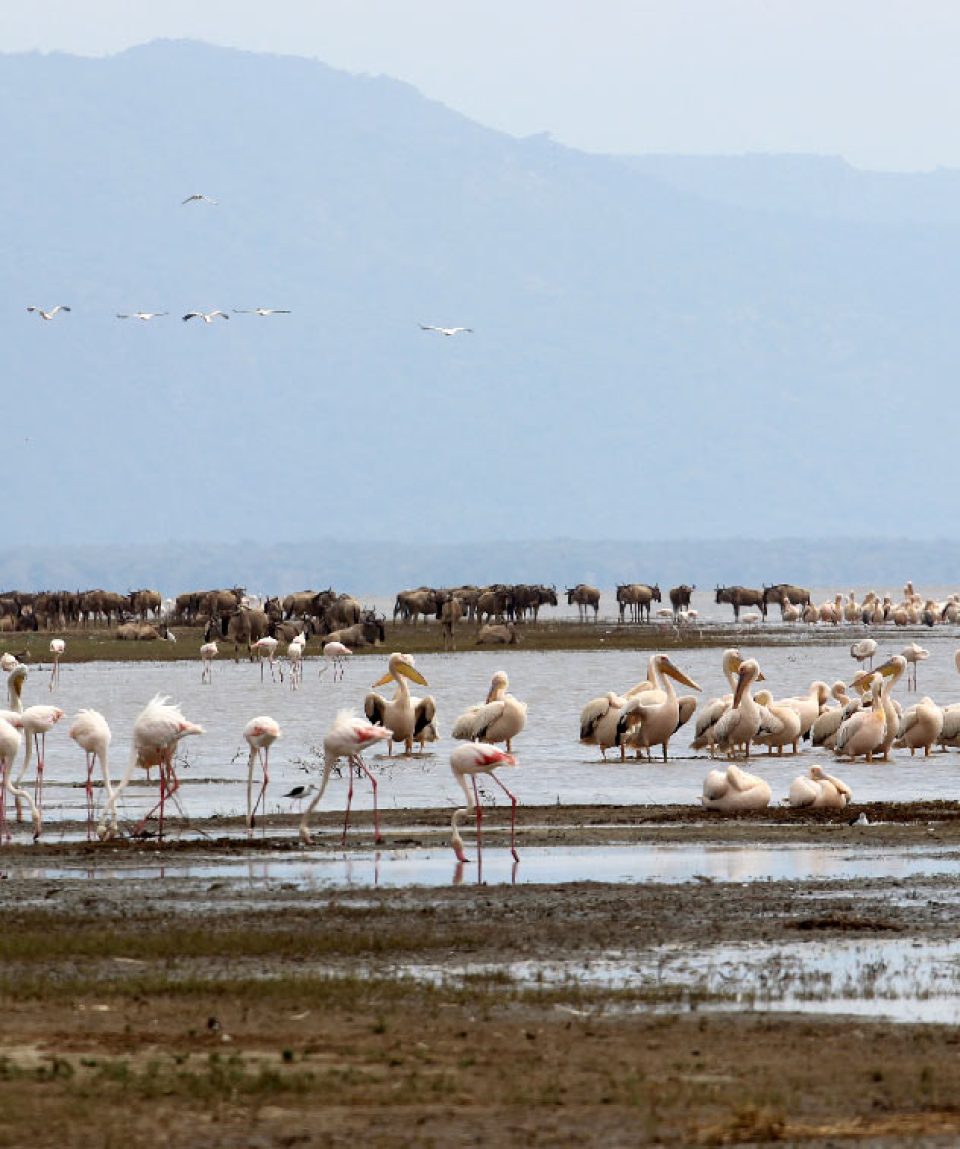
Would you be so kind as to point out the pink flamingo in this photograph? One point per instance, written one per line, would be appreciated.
(471, 759)
(92, 734)
(260, 733)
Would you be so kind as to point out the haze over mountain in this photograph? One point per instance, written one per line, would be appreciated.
(662, 348)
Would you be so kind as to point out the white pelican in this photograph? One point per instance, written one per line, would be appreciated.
(499, 718)
(260, 311)
(890, 673)
(913, 654)
(157, 730)
(824, 730)
(738, 726)
(470, 760)
(598, 722)
(920, 727)
(710, 714)
(820, 790)
(735, 789)
(863, 732)
(51, 313)
(809, 705)
(655, 721)
(864, 650)
(446, 330)
(260, 733)
(398, 714)
(347, 738)
(779, 726)
(145, 316)
(206, 316)
(198, 197)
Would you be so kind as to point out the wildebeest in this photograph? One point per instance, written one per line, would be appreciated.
(449, 613)
(505, 633)
(529, 598)
(144, 602)
(410, 604)
(244, 625)
(680, 597)
(495, 603)
(369, 631)
(784, 593)
(144, 632)
(585, 596)
(738, 596)
(637, 596)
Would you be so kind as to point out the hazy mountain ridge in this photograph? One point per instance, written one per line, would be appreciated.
(713, 359)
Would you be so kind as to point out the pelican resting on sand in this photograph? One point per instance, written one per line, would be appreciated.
(735, 789)
(820, 790)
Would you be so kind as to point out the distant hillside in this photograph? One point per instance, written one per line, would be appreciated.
(663, 348)
(383, 569)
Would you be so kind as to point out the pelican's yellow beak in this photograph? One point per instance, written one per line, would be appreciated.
(384, 679)
(678, 676)
(412, 673)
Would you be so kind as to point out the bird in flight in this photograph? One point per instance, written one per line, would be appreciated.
(445, 330)
(260, 311)
(206, 316)
(144, 315)
(197, 197)
(51, 313)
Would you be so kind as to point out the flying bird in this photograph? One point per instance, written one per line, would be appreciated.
(144, 315)
(446, 330)
(51, 313)
(260, 311)
(206, 316)
(197, 197)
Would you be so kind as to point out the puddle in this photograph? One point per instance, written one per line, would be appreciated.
(435, 866)
(897, 980)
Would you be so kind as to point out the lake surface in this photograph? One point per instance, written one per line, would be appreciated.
(554, 767)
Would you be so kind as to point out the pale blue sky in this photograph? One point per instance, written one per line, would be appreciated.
(875, 81)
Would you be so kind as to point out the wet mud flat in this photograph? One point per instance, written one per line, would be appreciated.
(207, 1011)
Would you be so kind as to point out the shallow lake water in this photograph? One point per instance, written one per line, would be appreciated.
(554, 767)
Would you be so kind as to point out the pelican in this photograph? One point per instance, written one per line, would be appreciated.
(819, 789)
(598, 723)
(446, 330)
(920, 726)
(864, 650)
(198, 197)
(735, 789)
(809, 705)
(145, 316)
(399, 714)
(779, 725)
(863, 732)
(890, 673)
(740, 724)
(499, 718)
(913, 654)
(711, 713)
(655, 722)
(260, 311)
(206, 316)
(51, 313)
(824, 730)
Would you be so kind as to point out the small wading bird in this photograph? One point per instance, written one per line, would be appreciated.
(347, 738)
(198, 197)
(156, 732)
(446, 330)
(260, 733)
(206, 316)
(469, 760)
(260, 311)
(51, 313)
(144, 315)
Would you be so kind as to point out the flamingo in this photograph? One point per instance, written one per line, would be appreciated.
(57, 647)
(295, 649)
(92, 734)
(208, 652)
(198, 197)
(471, 759)
(206, 316)
(265, 646)
(260, 733)
(913, 653)
(37, 722)
(143, 315)
(347, 738)
(446, 330)
(260, 311)
(335, 653)
(51, 313)
(9, 747)
(864, 650)
(156, 732)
